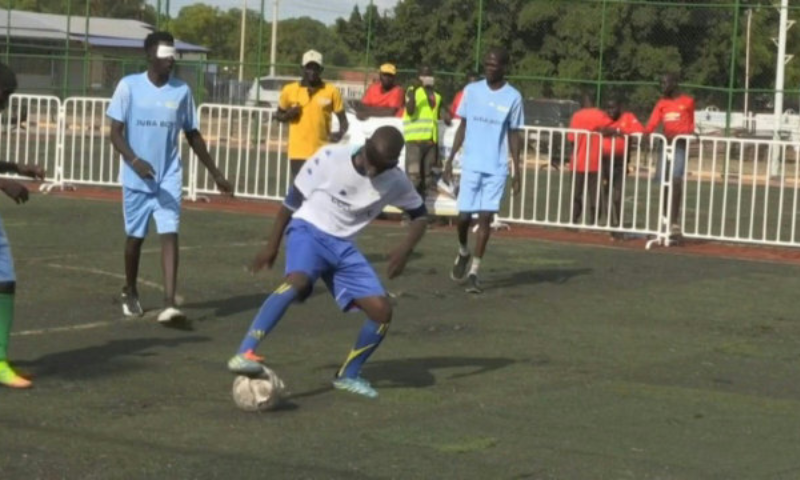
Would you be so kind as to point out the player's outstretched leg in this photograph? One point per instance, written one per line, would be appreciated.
(246, 362)
(379, 315)
(463, 257)
(8, 376)
(482, 239)
(130, 296)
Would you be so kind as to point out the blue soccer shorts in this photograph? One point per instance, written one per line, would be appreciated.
(480, 192)
(164, 206)
(7, 273)
(345, 271)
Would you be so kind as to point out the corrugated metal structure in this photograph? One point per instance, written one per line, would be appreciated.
(67, 55)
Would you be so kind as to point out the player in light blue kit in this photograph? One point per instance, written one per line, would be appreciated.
(8, 277)
(335, 195)
(148, 112)
(491, 119)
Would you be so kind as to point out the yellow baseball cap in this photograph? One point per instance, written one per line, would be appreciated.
(388, 69)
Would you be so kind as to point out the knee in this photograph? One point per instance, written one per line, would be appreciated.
(301, 284)
(383, 312)
(416, 179)
(8, 287)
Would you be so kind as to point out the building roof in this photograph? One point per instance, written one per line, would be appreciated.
(102, 32)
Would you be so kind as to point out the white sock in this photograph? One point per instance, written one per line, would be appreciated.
(476, 265)
(463, 250)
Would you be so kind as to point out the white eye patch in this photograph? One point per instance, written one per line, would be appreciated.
(166, 51)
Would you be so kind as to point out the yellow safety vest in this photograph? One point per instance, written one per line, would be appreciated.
(424, 125)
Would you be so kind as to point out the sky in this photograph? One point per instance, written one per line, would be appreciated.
(326, 11)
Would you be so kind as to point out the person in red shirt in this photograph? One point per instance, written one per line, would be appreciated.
(587, 150)
(383, 98)
(471, 77)
(675, 113)
(616, 144)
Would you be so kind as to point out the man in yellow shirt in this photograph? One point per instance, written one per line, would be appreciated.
(307, 106)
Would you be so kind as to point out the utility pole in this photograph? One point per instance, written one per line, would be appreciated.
(747, 62)
(273, 47)
(241, 41)
(780, 74)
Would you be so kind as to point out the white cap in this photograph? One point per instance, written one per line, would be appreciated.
(312, 56)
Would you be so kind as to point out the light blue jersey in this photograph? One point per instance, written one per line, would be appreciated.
(153, 118)
(490, 114)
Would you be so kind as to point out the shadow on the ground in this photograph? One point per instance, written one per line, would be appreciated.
(418, 372)
(100, 360)
(379, 257)
(532, 277)
(224, 307)
(421, 372)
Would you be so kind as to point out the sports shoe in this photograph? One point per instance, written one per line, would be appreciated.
(473, 285)
(357, 385)
(9, 378)
(130, 304)
(171, 314)
(460, 267)
(247, 363)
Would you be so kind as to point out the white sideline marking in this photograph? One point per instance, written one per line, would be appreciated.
(68, 328)
(96, 271)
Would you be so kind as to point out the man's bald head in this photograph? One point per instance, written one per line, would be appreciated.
(384, 147)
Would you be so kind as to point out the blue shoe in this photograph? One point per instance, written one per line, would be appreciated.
(246, 363)
(356, 385)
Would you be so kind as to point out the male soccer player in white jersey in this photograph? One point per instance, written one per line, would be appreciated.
(491, 119)
(148, 112)
(334, 196)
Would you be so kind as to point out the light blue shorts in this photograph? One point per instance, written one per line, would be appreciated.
(345, 271)
(678, 160)
(480, 192)
(7, 273)
(138, 207)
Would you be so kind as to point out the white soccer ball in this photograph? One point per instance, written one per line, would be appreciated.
(258, 393)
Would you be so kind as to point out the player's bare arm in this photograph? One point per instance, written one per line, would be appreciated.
(139, 165)
(32, 171)
(198, 144)
(343, 126)
(289, 114)
(366, 111)
(267, 255)
(15, 190)
(458, 141)
(515, 145)
(400, 255)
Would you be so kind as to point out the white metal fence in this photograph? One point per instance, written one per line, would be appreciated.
(248, 148)
(739, 190)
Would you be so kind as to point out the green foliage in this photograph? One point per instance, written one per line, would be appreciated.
(558, 48)
(131, 9)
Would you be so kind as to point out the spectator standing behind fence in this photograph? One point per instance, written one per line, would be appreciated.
(307, 106)
(675, 113)
(585, 162)
(383, 98)
(471, 78)
(492, 118)
(424, 108)
(8, 278)
(148, 111)
(616, 145)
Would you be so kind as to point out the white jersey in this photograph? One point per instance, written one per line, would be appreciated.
(340, 201)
